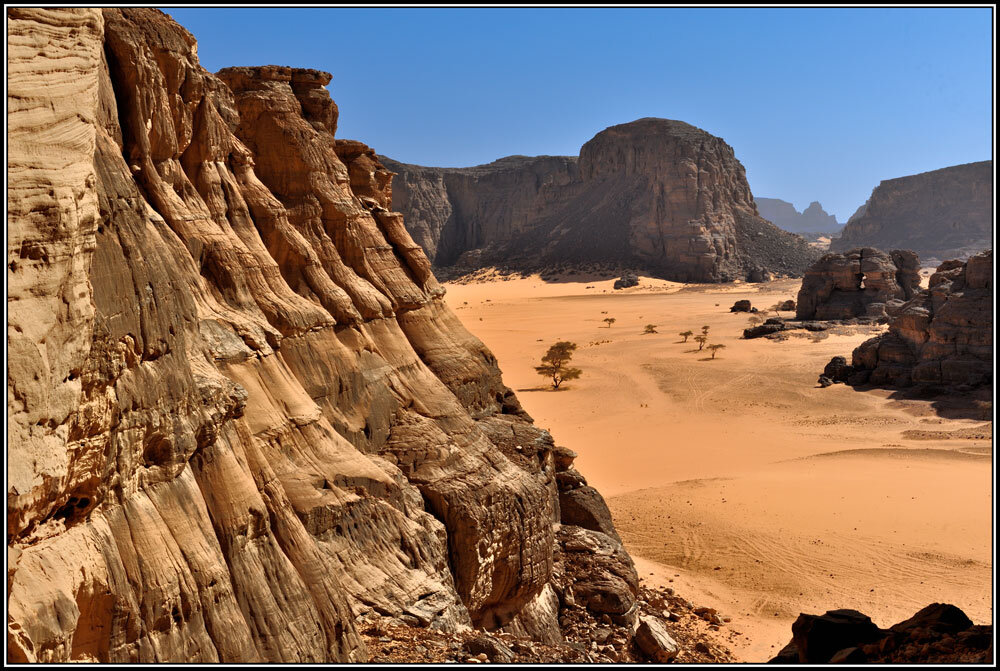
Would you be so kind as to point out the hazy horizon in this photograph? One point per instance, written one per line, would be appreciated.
(818, 103)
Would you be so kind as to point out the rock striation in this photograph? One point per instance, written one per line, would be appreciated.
(942, 214)
(943, 336)
(813, 219)
(938, 634)
(654, 193)
(240, 415)
(863, 282)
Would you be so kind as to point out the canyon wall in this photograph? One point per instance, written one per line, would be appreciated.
(656, 194)
(240, 415)
(942, 214)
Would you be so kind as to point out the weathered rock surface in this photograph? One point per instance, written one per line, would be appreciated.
(942, 336)
(813, 219)
(240, 416)
(627, 280)
(655, 641)
(942, 214)
(937, 634)
(843, 286)
(654, 193)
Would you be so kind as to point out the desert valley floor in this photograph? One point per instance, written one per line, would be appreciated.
(739, 481)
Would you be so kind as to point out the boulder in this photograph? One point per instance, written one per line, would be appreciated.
(655, 642)
(818, 637)
(585, 507)
(627, 280)
(741, 306)
(494, 649)
(939, 617)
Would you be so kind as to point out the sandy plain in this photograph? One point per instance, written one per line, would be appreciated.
(738, 480)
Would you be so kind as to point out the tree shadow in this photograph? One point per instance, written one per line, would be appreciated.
(692, 351)
(544, 388)
(708, 358)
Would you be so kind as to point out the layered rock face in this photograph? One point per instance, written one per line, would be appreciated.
(942, 214)
(240, 414)
(859, 283)
(813, 219)
(657, 194)
(943, 336)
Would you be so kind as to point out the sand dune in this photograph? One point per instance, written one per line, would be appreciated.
(756, 491)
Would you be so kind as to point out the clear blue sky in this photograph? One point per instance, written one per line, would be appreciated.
(819, 104)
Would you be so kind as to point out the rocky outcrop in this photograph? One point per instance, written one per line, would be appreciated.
(813, 219)
(655, 193)
(942, 214)
(857, 283)
(937, 634)
(942, 336)
(240, 415)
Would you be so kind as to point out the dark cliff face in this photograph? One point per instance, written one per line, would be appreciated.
(655, 193)
(943, 214)
(241, 415)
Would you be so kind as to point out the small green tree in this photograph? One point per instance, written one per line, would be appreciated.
(686, 335)
(701, 340)
(650, 328)
(715, 348)
(609, 321)
(555, 363)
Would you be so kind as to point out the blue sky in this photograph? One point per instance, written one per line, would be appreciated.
(819, 104)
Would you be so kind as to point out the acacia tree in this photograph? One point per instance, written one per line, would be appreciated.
(704, 330)
(650, 328)
(701, 340)
(686, 335)
(756, 320)
(555, 363)
(715, 348)
(609, 321)
(776, 309)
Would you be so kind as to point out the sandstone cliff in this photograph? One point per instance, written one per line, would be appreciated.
(240, 414)
(859, 283)
(941, 337)
(656, 194)
(942, 214)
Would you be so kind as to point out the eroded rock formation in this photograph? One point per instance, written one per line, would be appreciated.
(942, 214)
(858, 283)
(942, 336)
(240, 414)
(654, 193)
(938, 634)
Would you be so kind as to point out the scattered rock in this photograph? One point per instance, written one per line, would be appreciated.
(655, 641)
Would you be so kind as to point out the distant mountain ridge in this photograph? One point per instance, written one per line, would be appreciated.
(814, 219)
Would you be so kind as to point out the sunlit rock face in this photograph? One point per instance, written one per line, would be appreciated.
(654, 193)
(240, 413)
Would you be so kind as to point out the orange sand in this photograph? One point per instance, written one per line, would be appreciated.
(713, 468)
